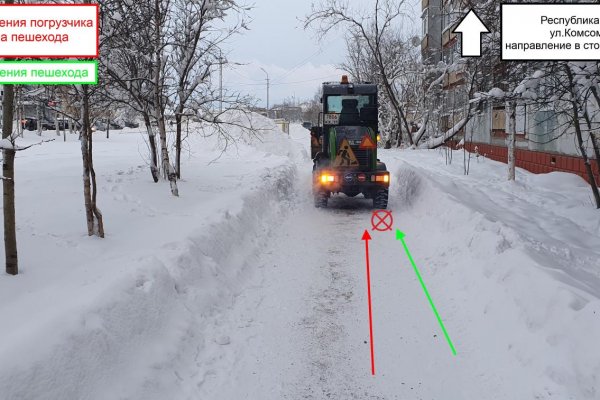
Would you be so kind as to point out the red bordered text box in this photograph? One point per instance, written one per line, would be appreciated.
(82, 41)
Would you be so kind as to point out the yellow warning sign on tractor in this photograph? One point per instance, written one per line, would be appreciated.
(345, 156)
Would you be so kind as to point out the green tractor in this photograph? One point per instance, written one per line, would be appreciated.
(344, 145)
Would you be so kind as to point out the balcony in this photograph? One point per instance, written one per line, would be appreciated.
(448, 37)
(453, 78)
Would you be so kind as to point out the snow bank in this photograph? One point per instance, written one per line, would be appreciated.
(261, 133)
(514, 269)
(408, 187)
(115, 318)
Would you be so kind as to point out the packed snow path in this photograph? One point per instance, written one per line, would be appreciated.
(310, 329)
(241, 289)
(514, 278)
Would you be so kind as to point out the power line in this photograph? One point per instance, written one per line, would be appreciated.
(282, 83)
(308, 80)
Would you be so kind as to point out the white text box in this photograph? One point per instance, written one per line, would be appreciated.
(550, 32)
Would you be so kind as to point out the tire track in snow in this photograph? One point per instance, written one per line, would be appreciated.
(334, 305)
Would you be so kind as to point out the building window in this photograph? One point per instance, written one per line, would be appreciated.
(425, 19)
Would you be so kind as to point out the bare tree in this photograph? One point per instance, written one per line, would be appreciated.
(578, 98)
(95, 223)
(126, 61)
(375, 30)
(160, 21)
(568, 90)
(196, 52)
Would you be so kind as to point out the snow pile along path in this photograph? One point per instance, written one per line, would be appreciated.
(116, 318)
(515, 268)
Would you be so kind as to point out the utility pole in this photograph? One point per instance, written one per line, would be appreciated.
(268, 82)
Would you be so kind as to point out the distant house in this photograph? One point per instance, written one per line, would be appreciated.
(287, 112)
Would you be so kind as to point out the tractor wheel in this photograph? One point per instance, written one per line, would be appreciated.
(380, 199)
(321, 198)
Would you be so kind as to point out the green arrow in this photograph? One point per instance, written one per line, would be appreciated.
(400, 236)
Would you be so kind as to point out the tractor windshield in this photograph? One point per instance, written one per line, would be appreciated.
(340, 104)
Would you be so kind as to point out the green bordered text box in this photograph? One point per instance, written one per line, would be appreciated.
(47, 72)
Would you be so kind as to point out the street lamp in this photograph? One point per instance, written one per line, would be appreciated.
(266, 73)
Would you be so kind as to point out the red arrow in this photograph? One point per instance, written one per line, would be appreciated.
(366, 237)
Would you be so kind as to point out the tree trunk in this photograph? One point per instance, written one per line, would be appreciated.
(594, 140)
(87, 194)
(154, 171)
(596, 146)
(38, 110)
(178, 142)
(93, 215)
(512, 128)
(18, 110)
(579, 136)
(158, 99)
(56, 124)
(108, 128)
(395, 105)
(166, 164)
(8, 185)
(586, 161)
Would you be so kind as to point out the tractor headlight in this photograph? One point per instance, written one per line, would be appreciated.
(327, 178)
(385, 178)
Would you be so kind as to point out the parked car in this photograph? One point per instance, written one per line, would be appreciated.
(131, 124)
(31, 124)
(115, 125)
(63, 124)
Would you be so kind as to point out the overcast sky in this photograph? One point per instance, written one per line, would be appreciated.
(296, 60)
(297, 63)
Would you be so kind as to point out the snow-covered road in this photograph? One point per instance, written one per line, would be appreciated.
(489, 252)
(310, 328)
(243, 290)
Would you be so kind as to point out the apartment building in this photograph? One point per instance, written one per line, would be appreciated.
(545, 140)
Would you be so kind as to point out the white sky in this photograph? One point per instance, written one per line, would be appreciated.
(296, 60)
(297, 63)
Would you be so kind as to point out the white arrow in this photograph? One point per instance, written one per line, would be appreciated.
(471, 29)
